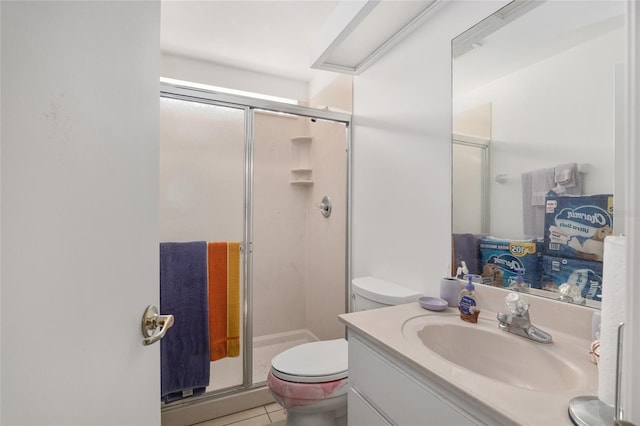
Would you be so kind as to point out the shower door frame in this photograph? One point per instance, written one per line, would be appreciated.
(250, 105)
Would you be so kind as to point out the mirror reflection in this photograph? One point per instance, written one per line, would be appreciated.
(538, 106)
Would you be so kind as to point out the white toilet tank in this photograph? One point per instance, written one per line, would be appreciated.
(372, 293)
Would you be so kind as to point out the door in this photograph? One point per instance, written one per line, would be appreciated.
(202, 197)
(79, 225)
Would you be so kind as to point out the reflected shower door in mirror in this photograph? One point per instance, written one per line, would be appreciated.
(470, 184)
(540, 83)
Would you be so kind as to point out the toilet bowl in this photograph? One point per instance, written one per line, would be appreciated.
(311, 380)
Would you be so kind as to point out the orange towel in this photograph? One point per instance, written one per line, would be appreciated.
(217, 262)
(233, 300)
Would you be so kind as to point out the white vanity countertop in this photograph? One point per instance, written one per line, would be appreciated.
(511, 403)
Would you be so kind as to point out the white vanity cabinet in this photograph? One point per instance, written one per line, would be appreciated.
(397, 377)
(383, 390)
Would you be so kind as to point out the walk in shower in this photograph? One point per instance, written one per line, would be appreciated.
(256, 172)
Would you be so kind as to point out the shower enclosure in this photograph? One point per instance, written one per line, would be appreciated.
(239, 169)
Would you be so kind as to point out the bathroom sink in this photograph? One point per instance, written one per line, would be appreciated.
(484, 349)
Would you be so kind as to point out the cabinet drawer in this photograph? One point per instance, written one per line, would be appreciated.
(360, 413)
(395, 393)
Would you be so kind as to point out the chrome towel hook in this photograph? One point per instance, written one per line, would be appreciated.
(325, 206)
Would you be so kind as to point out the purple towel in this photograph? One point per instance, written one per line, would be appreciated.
(467, 247)
(184, 350)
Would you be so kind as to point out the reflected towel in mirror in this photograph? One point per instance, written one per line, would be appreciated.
(536, 184)
(466, 247)
(568, 179)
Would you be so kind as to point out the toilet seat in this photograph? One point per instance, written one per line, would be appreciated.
(314, 362)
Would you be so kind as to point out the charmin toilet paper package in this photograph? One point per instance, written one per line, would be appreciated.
(586, 274)
(501, 258)
(575, 226)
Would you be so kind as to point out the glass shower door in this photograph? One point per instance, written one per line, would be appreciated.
(201, 198)
(299, 255)
(232, 172)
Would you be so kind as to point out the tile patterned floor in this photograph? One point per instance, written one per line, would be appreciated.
(228, 372)
(271, 414)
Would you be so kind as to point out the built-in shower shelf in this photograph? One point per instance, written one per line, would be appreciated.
(301, 176)
(301, 161)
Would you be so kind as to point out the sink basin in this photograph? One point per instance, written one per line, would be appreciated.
(484, 349)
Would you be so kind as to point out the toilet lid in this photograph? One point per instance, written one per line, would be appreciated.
(313, 362)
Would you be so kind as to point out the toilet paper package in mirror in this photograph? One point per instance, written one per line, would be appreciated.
(575, 225)
(587, 275)
(501, 258)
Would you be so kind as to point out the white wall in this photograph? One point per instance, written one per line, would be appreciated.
(328, 89)
(402, 154)
(557, 111)
(188, 69)
(325, 89)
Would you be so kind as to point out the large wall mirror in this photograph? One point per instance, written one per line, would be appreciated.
(539, 105)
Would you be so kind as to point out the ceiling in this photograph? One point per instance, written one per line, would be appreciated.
(546, 30)
(272, 37)
(277, 36)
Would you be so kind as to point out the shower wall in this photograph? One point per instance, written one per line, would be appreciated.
(279, 228)
(326, 264)
(299, 256)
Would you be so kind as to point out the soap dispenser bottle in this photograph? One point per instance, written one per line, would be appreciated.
(467, 304)
(518, 283)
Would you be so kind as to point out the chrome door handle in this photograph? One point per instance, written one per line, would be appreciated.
(151, 320)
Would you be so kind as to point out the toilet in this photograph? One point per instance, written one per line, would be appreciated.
(310, 381)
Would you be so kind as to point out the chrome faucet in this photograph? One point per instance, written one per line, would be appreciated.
(518, 321)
